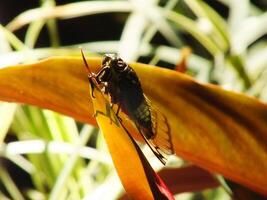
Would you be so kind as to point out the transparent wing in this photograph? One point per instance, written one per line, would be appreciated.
(161, 142)
(161, 129)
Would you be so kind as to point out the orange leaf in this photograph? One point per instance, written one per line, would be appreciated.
(185, 179)
(137, 176)
(222, 131)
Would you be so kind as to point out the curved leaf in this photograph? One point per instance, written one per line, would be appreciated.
(185, 179)
(188, 179)
(222, 131)
(137, 176)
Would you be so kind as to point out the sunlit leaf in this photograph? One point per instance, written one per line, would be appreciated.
(186, 179)
(71, 10)
(242, 193)
(137, 176)
(6, 116)
(222, 131)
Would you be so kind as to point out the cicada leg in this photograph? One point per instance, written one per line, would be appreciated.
(117, 113)
(92, 86)
(111, 106)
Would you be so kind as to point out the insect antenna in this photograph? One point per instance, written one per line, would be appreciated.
(85, 63)
(91, 75)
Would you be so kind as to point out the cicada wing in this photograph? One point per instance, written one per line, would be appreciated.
(155, 149)
(161, 131)
(158, 138)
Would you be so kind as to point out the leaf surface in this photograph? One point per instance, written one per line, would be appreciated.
(222, 131)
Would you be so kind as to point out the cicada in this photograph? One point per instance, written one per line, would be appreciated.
(121, 83)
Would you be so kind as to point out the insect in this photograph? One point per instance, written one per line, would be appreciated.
(120, 82)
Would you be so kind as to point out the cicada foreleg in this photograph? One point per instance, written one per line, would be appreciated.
(92, 85)
(117, 112)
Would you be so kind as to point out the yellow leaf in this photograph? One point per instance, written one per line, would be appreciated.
(222, 131)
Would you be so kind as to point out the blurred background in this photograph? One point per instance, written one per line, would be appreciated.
(222, 42)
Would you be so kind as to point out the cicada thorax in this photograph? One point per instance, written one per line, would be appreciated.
(132, 101)
(124, 88)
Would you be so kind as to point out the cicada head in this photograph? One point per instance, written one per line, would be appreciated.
(114, 62)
